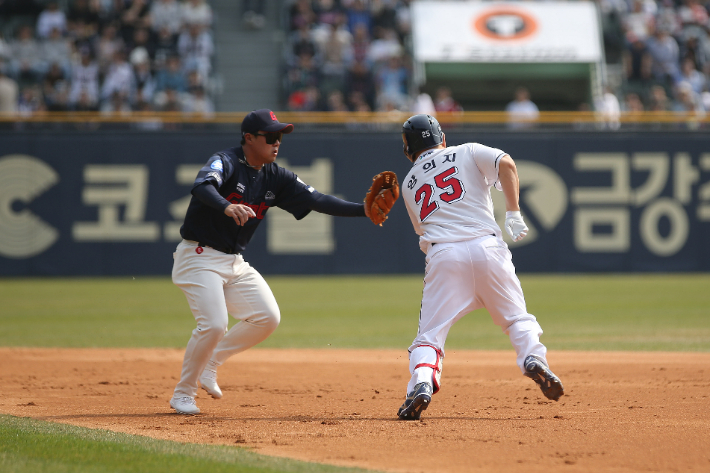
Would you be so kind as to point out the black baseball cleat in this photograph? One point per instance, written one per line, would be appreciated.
(538, 371)
(417, 401)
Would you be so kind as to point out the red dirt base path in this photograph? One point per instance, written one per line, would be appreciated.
(621, 412)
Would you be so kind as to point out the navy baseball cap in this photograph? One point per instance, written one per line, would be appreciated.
(264, 120)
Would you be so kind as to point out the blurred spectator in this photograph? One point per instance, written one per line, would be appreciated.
(358, 14)
(403, 17)
(5, 51)
(196, 49)
(632, 103)
(57, 50)
(253, 14)
(326, 33)
(658, 100)
(697, 48)
(54, 81)
(170, 101)
(383, 14)
(194, 80)
(166, 14)
(142, 76)
(301, 14)
(357, 102)
(197, 11)
(50, 18)
(30, 100)
(171, 77)
(705, 98)
(119, 79)
(360, 83)
(304, 74)
(8, 92)
(302, 44)
(81, 12)
(692, 76)
(608, 106)
(84, 103)
(137, 15)
(106, 46)
(687, 100)
(638, 24)
(111, 10)
(26, 64)
(361, 43)
(117, 102)
(326, 11)
(84, 36)
(522, 110)
(165, 46)
(693, 15)
(197, 101)
(637, 64)
(391, 84)
(336, 102)
(663, 49)
(84, 91)
(445, 101)
(304, 100)
(667, 17)
(424, 104)
(141, 40)
(384, 46)
(53, 78)
(337, 54)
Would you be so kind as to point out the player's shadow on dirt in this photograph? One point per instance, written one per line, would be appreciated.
(305, 419)
(114, 415)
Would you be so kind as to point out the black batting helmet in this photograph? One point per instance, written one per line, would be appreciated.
(421, 132)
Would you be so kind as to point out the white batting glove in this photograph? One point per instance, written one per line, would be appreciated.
(515, 226)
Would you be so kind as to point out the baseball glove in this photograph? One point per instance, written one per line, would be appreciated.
(382, 195)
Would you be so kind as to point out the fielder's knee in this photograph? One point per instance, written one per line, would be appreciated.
(212, 329)
(268, 320)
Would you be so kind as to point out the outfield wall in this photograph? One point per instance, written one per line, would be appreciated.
(104, 203)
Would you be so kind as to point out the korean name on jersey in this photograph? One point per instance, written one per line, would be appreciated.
(447, 193)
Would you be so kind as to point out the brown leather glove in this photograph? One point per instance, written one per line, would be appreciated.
(382, 195)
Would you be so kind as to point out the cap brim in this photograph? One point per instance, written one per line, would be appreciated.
(284, 128)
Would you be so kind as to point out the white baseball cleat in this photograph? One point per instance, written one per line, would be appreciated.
(208, 381)
(184, 405)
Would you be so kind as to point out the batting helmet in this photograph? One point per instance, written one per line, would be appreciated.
(421, 132)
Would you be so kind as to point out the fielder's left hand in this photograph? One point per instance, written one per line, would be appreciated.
(515, 226)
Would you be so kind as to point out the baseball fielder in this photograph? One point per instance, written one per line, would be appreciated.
(468, 265)
(230, 197)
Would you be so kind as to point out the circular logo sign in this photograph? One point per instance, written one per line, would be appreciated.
(505, 24)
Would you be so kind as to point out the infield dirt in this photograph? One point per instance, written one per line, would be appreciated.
(622, 411)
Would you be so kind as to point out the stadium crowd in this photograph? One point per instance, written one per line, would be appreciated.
(665, 48)
(356, 55)
(105, 55)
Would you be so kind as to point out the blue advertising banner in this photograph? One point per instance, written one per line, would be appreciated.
(103, 203)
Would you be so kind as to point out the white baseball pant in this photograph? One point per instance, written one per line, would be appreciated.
(218, 285)
(459, 278)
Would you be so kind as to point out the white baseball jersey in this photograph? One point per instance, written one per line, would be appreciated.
(447, 193)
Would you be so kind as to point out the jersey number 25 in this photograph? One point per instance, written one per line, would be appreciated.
(424, 196)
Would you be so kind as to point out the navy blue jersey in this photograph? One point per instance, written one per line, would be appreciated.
(271, 186)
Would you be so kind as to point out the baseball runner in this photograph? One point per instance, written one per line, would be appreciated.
(230, 197)
(468, 265)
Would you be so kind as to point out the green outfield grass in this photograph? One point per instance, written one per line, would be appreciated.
(31, 446)
(600, 312)
(577, 312)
